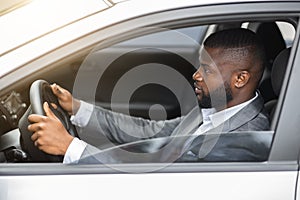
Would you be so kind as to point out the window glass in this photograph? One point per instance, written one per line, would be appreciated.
(150, 99)
(151, 80)
(288, 32)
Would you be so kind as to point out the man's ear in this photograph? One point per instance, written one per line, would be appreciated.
(241, 78)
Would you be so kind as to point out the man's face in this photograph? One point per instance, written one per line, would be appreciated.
(213, 78)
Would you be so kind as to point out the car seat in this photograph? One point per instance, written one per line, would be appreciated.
(274, 43)
(277, 76)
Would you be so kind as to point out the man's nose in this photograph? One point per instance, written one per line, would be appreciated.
(197, 76)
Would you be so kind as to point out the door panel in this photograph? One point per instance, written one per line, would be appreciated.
(234, 185)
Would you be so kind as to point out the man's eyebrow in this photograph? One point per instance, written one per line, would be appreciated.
(205, 65)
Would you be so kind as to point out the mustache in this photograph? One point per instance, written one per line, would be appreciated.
(197, 86)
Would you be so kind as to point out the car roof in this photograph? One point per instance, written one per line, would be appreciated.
(7, 6)
(38, 19)
(23, 21)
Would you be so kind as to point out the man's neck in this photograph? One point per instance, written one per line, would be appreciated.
(238, 100)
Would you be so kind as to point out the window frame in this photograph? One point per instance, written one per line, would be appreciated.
(280, 157)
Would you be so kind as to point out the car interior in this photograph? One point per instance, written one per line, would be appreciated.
(151, 98)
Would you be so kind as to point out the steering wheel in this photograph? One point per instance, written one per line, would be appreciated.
(40, 92)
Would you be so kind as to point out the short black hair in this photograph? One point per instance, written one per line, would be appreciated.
(232, 38)
(237, 38)
(242, 43)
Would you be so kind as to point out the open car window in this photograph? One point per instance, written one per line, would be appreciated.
(167, 150)
(147, 76)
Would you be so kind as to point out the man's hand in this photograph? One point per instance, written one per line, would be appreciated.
(49, 134)
(65, 99)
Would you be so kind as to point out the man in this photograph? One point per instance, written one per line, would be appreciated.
(231, 66)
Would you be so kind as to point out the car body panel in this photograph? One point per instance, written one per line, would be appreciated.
(276, 178)
(264, 185)
(45, 17)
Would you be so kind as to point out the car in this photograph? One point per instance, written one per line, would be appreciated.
(137, 57)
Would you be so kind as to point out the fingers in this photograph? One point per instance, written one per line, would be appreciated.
(62, 94)
(37, 127)
(34, 118)
(65, 99)
(54, 105)
(37, 121)
(56, 89)
(34, 136)
(48, 111)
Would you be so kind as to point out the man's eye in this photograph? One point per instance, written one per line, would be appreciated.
(206, 70)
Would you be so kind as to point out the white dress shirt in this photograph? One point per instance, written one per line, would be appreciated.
(81, 119)
(211, 119)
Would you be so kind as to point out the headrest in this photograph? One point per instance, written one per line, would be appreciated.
(272, 40)
(278, 69)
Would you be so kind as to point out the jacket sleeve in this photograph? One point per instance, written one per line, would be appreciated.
(120, 128)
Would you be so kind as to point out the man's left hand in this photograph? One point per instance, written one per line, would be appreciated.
(49, 134)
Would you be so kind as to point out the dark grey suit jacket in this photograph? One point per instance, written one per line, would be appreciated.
(216, 145)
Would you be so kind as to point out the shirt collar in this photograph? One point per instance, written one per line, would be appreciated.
(206, 115)
(217, 118)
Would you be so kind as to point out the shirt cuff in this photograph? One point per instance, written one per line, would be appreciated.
(83, 115)
(74, 151)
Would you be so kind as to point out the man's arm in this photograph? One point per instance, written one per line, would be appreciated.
(50, 136)
(118, 127)
(102, 128)
(121, 128)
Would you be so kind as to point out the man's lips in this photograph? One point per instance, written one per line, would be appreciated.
(198, 89)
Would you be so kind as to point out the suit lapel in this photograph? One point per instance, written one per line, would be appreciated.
(242, 117)
(208, 140)
(174, 149)
(189, 124)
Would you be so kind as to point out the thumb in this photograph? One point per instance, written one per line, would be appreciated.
(57, 90)
(48, 111)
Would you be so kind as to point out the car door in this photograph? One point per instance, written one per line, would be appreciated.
(274, 178)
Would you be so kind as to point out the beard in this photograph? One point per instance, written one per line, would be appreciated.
(219, 96)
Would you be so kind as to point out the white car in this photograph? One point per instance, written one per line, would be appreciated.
(137, 57)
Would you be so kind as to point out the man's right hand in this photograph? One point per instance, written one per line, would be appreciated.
(65, 99)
